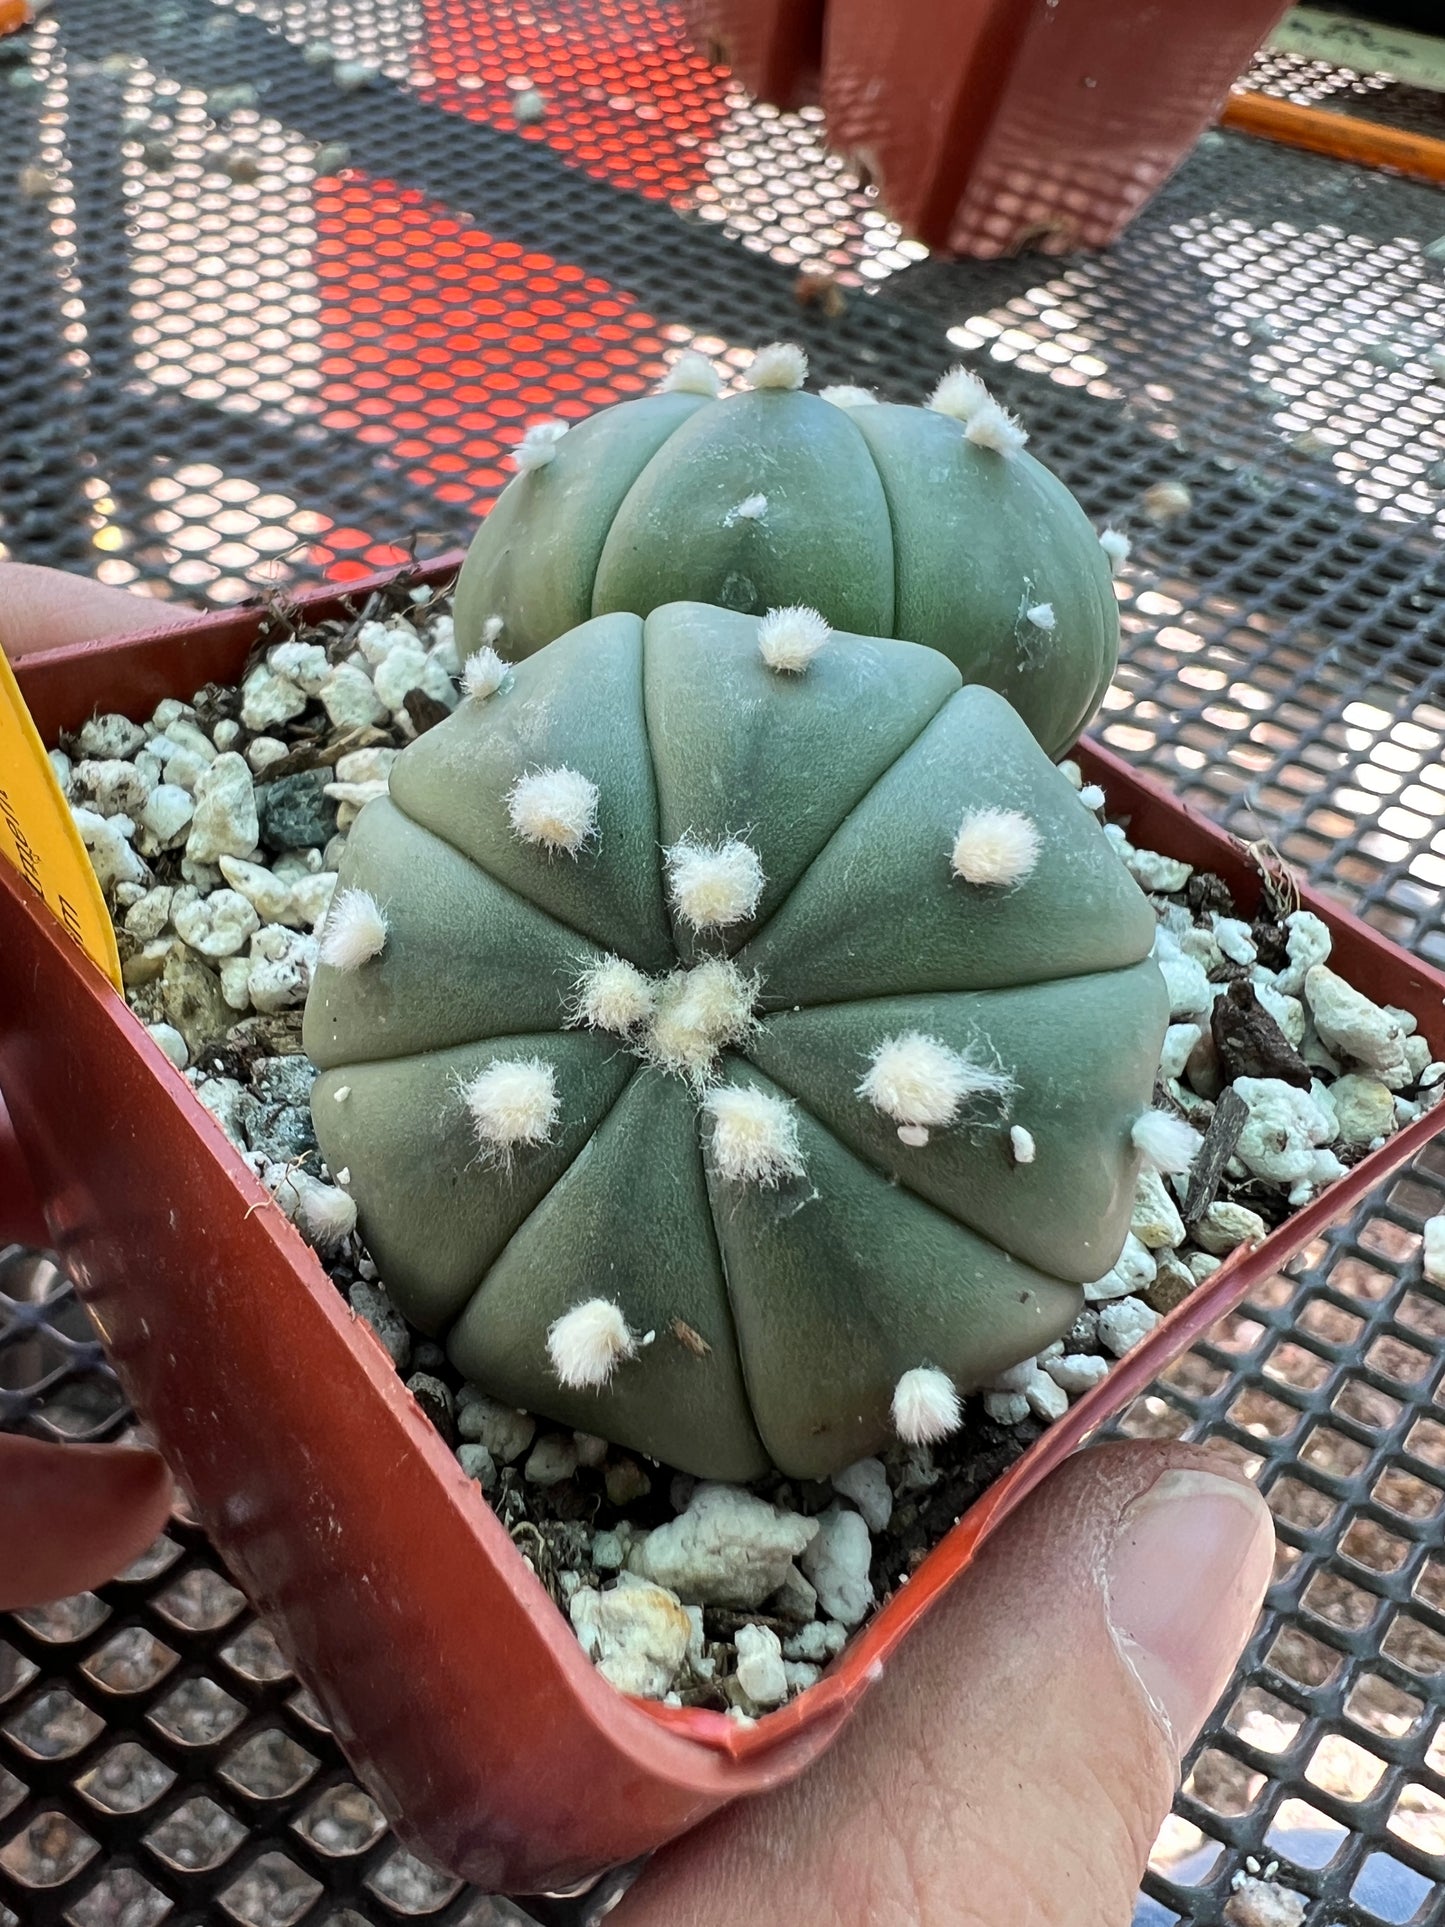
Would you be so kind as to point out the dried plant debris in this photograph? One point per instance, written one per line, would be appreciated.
(216, 829)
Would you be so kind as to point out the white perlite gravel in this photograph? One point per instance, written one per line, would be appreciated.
(216, 829)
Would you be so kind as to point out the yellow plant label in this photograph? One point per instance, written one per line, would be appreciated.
(39, 837)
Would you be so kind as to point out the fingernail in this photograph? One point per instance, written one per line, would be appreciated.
(1183, 1584)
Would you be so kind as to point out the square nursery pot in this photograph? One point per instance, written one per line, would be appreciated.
(989, 126)
(774, 47)
(455, 1685)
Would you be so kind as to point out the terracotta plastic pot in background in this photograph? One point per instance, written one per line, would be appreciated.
(774, 47)
(989, 126)
(453, 1682)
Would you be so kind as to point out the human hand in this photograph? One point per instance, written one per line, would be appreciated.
(47, 608)
(1013, 1765)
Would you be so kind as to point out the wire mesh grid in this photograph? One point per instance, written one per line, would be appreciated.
(287, 279)
(1313, 82)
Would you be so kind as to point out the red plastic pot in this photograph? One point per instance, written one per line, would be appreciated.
(774, 47)
(993, 125)
(456, 1687)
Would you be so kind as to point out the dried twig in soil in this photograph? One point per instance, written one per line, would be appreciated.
(1230, 1115)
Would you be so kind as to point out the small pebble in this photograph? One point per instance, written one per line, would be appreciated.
(1223, 1227)
(866, 1484)
(816, 1643)
(349, 699)
(795, 1600)
(435, 1399)
(1179, 1041)
(505, 1432)
(371, 1303)
(172, 1043)
(477, 1462)
(1354, 1028)
(1124, 1323)
(1265, 1903)
(1364, 1108)
(1006, 1408)
(225, 812)
(1077, 1372)
(281, 965)
(638, 1636)
(111, 735)
(760, 1670)
(609, 1549)
(1173, 1283)
(551, 1460)
(837, 1562)
(625, 1481)
(1164, 874)
(728, 1548)
(1156, 1222)
(1132, 1270)
(218, 925)
(1434, 1250)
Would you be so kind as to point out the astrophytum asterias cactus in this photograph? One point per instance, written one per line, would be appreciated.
(695, 989)
(932, 524)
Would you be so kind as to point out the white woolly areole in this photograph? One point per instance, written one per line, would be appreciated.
(788, 639)
(754, 1135)
(1041, 615)
(1021, 1143)
(326, 1215)
(538, 445)
(483, 674)
(512, 1102)
(690, 374)
(917, 1079)
(960, 394)
(994, 427)
(926, 1407)
(780, 365)
(752, 508)
(355, 930)
(492, 630)
(1091, 796)
(614, 995)
(843, 394)
(714, 884)
(700, 1012)
(587, 1344)
(1166, 1142)
(998, 847)
(1116, 546)
(554, 807)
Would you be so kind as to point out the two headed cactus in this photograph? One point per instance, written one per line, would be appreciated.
(737, 1035)
(931, 524)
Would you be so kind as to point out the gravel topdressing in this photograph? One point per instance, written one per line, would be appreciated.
(216, 829)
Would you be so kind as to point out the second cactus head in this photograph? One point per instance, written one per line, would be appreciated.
(931, 524)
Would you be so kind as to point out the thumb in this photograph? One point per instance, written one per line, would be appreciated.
(48, 608)
(72, 1516)
(1019, 1755)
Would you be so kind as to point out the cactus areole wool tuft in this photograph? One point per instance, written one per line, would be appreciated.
(681, 1072)
(933, 524)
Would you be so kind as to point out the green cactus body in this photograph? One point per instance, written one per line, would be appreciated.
(888, 519)
(690, 1010)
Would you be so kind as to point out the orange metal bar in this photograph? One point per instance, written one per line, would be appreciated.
(1339, 135)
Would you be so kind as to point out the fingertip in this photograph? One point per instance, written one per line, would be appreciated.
(72, 1516)
(50, 609)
